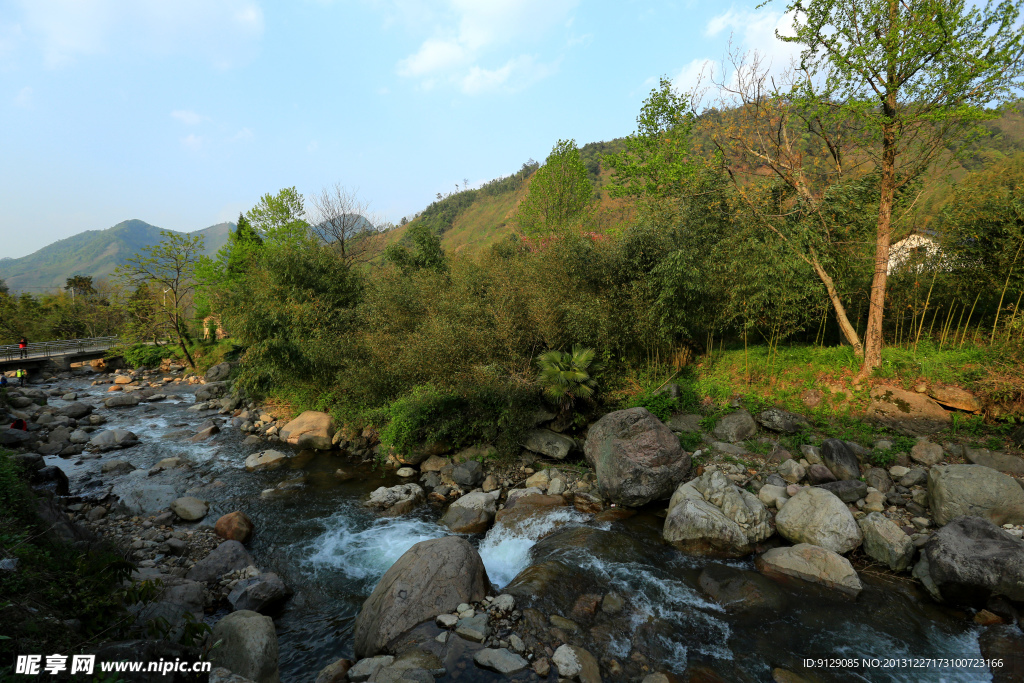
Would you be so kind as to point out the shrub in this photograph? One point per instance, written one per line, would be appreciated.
(146, 355)
(488, 413)
(661, 406)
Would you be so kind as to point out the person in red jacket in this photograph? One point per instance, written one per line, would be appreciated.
(23, 347)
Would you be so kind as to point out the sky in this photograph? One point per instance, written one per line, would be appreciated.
(182, 113)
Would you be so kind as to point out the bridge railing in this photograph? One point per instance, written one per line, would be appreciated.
(61, 347)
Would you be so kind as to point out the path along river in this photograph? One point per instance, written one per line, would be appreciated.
(331, 550)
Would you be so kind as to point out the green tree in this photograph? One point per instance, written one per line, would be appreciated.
(426, 252)
(279, 217)
(911, 77)
(656, 163)
(79, 284)
(559, 193)
(170, 266)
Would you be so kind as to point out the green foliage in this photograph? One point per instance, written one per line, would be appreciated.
(691, 441)
(144, 355)
(487, 413)
(660, 405)
(426, 251)
(279, 217)
(54, 582)
(567, 377)
(559, 193)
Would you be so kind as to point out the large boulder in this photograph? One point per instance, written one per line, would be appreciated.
(218, 372)
(847, 490)
(142, 498)
(234, 526)
(229, 556)
(311, 429)
(783, 421)
(248, 646)
(76, 410)
(14, 437)
(740, 589)
(549, 443)
(975, 490)
(636, 457)
(969, 560)
(123, 400)
(472, 513)
(907, 408)
(927, 453)
(265, 594)
(190, 508)
(432, 577)
(211, 390)
(735, 427)
(396, 500)
(885, 542)
(840, 459)
(711, 515)
(818, 517)
(265, 460)
(956, 397)
(1010, 464)
(811, 563)
(112, 439)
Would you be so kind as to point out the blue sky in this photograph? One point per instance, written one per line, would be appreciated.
(184, 112)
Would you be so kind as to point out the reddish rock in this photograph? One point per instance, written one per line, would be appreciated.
(234, 526)
(955, 397)
(986, 618)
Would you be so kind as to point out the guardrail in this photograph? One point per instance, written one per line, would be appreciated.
(61, 347)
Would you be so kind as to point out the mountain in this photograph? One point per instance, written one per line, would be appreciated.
(93, 252)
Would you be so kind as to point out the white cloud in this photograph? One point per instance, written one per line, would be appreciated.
(189, 118)
(24, 98)
(225, 32)
(470, 37)
(192, 142)
(244, 134)
(517, 74)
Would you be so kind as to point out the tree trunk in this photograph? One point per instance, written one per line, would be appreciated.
(847, 329)
(181, 343)
(883, 238)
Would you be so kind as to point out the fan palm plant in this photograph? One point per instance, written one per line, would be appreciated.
(566, 377)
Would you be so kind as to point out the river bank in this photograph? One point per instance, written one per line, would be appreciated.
(579, 571)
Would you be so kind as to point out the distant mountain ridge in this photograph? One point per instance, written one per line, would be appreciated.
(93, 252)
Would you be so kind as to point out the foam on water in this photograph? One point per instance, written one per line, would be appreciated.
(505, 551)
(363, 548)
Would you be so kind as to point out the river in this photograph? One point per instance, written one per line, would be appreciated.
(331, 550)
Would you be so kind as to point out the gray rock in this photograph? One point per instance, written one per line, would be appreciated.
(312, 429)
(811, 563)
(472, 513)
(819, 474)
(548, 443)
(812, 453)
(636, 457)
(474, 628)
(222, 675)
(735, 427)
(970, 559)
(683, 422)
(468, 474)
(142, 498)
(123, 400)
(878, 478)
(364, 669)
(210, 390)
(76, 410)
(265, 460)
(248, 646)
(975, 490)
(502, 661)
(396, 500)
(915, 477)
(818, 517)
(190, 508)
(1010, 464)
(926, 453)
(711, 515)
(792, 471)
(848, 491)
(783, 421)
(14, 437)
(229, 556)
(116, 466)
(575, 662)
(430, 578)
(740, 589)
(886, 542)
(218, 372)
(111, 439)
(265, 594)
(840, 458)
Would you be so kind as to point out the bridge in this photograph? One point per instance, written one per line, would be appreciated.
(60, 353)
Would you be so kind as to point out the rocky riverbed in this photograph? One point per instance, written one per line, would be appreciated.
(615, 557)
